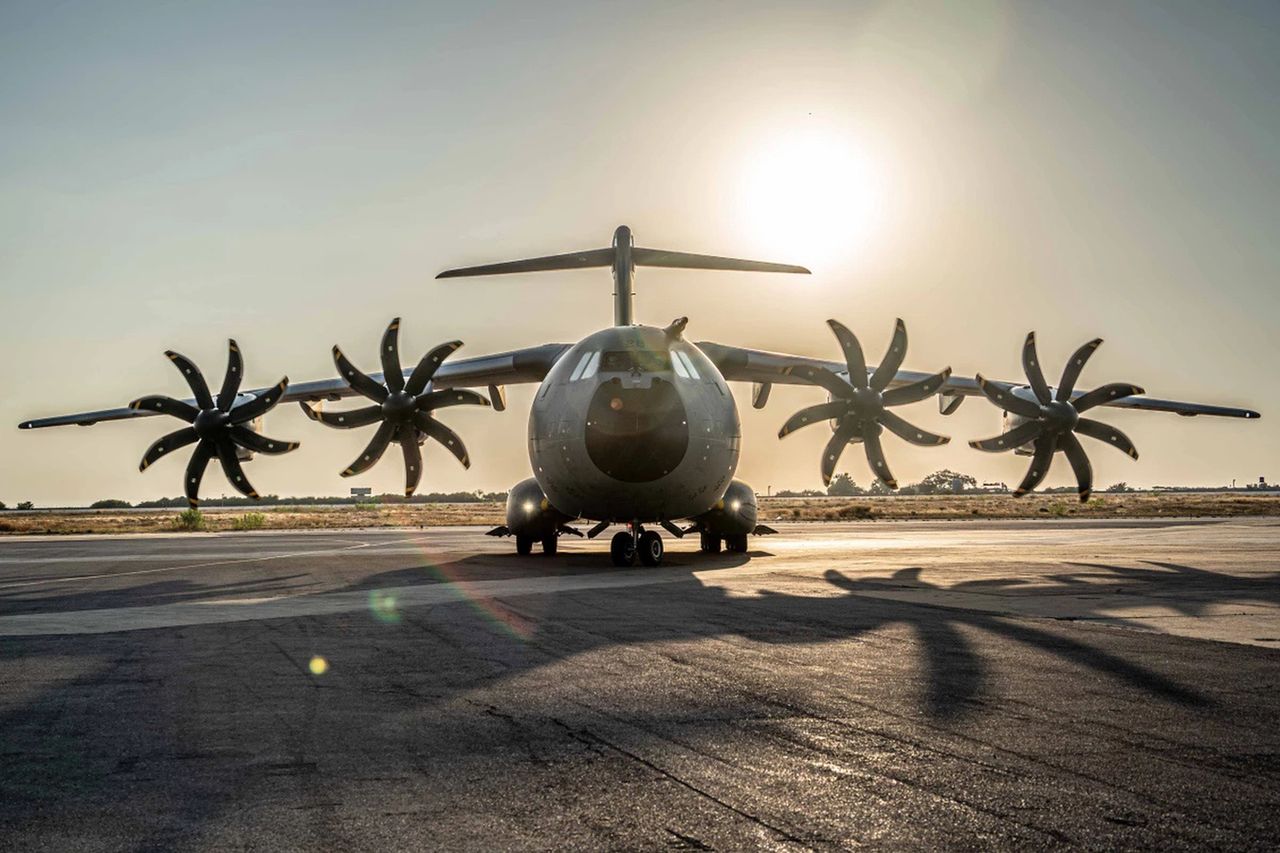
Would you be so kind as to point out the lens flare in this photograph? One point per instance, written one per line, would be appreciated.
(318, 665)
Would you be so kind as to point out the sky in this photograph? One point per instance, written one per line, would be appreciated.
(295, 174)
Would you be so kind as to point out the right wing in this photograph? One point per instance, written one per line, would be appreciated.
(530, 364)
(764, 368)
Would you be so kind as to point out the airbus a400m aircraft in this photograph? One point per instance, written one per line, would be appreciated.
(634, 425)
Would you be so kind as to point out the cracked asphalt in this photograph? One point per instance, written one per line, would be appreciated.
(935, 685)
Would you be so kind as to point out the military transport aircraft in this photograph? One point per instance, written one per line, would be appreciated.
(634, 425)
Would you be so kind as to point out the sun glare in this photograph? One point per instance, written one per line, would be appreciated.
(812, 198)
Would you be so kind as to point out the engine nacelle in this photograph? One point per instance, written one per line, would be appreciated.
(734, 514)
(1012, 421)
(530, 514)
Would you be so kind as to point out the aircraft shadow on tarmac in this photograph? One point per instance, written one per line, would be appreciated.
(68, 743)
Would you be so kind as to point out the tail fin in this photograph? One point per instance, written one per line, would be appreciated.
(623, 257)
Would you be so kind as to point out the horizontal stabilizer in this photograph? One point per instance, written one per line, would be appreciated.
(571, 261)
(687, 261)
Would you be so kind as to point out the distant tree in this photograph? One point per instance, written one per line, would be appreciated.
(803, 493)
(842, 486)
(946, 482)
(1121, 486)
(877, 488)
(2, 506)
(26, 505)
(109, 503)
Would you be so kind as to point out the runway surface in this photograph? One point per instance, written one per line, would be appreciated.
(967, 685)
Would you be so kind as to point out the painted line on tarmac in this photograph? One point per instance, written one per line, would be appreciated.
(226, 562)
(187, 614)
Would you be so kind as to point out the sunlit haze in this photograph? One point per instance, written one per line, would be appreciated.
(295, 174)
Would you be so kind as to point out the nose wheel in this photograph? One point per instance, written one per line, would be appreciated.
(629, 545)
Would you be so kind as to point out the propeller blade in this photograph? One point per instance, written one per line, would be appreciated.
(1015, 437)
(251, 440)
(916, 391)
(412, 460)
(444, 435)
(820, 376)
(875, 454)
(373, 451)
(428, 365)
(231, 467)
(362, 384)
(344, 420)
(191, 373)
(260, 405)
(167, 444)
(1105, 394)
(910, 432)
(853, 357)
(1040, 462)
(1005, 399)
(888, 367)
(231, 382)
(195, 470)
(1070, 445)
(831, 454)
(456, 397)
(1106, 434)
(1031, 366)
(813, 415)
(1071, 372)
(166, 405)
(392, 374)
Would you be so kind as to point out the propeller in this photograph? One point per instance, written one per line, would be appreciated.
(860, 406)
(1052, 419)
(217, 426)
(402, 408)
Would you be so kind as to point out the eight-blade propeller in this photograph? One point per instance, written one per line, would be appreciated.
(1053, 419)
(860, 406)
(402, 407)
(217, 427)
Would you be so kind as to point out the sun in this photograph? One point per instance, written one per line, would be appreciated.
(811, 196)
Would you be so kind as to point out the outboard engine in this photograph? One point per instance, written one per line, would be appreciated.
(730, 520)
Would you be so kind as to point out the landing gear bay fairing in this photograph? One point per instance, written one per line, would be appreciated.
(634, 426)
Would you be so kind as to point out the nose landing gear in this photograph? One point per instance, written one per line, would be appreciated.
(636, 542)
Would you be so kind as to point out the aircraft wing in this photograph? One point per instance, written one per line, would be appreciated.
(505, 368)
(771, 368)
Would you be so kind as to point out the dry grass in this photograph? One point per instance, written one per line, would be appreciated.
(917, 508)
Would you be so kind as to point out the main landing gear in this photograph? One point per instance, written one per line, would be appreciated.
(710, 543)
(636, 543)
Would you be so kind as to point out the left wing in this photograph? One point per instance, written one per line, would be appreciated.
(530, 364)
(764, 368)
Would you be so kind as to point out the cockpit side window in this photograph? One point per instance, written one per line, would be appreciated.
(592, 365)
(582, 366)
(682, 357)
(678, 363)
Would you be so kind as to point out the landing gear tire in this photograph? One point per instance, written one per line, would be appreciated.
(650, 548)
(736, 543)
(524, 544)
(623, 549)
(549, 544)
(710, 544)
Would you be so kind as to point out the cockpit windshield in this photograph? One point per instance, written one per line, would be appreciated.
(640, 361)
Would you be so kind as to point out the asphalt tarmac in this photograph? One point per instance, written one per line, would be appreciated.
(959, 685)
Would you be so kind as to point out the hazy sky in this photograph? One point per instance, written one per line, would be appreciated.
(295, 174)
